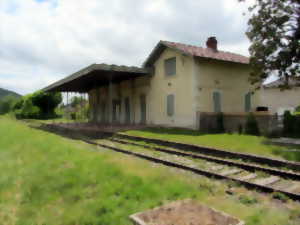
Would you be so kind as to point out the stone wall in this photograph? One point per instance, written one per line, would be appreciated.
(267, 123)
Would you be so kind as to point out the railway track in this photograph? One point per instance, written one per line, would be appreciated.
(249, 175)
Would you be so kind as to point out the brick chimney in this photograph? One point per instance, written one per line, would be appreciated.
(212, 43)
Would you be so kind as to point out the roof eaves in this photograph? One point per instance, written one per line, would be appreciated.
(70, 77)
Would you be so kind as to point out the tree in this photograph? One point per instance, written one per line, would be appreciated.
(46, 101)
(274, 32)
(7, 103)
(78, 101)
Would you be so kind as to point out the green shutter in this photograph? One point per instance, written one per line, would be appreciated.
(217, 101)
(170, 105)
(170, 66)
(248, 102)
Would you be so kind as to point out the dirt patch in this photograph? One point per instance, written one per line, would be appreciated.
(187, 212)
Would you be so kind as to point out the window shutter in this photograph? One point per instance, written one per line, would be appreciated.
(248, 102)
(170, 105)
(217, 101)
(170, 66)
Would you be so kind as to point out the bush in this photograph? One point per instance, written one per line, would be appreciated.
(39, 105)
(280, 196)
(247, 200)
(220, 123)
(288, 124)
(28, 110)
(251, 126)
(297, 126)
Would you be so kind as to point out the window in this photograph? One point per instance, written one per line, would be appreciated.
(170, 105)
(248, 102)
(170, 66)
(217, 101)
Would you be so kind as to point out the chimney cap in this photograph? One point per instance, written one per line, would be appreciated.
(212, 43)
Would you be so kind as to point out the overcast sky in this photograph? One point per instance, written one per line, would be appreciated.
(42, 41)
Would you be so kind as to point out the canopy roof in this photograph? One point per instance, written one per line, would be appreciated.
(96, 75)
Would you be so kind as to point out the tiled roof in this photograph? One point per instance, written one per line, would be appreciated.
(207, 52)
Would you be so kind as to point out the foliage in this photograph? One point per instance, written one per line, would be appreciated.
(288, 123)
(247, 200)
(251, 126)
(7, 103)
(52, 180)
(274, 33)
(291, 124)
(46, 101)
(280, 196)
(39, 105)
(220, 123)
(26, 109)
(77, 101)
(78, 109)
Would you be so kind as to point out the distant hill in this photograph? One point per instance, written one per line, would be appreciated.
(5, 92)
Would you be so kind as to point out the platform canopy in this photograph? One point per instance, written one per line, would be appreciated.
(96, 75)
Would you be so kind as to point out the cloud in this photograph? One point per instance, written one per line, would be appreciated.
(45, 40)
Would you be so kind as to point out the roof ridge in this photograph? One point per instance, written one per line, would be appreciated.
(190, 45)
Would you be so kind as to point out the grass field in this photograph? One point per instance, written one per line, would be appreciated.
(231, 142)
(46, 179)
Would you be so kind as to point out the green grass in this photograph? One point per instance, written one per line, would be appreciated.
(230, 142)
(46, 179)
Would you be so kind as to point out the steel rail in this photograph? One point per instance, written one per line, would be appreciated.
(206, 173)
(245, 166)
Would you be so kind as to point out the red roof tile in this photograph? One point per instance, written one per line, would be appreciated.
(207, 52)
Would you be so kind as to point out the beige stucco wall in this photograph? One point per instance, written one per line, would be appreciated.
(180, 85)
(230, 79)
(192, 87)
(277, 100)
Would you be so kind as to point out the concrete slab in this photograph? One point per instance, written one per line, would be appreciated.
(215, 168)
(184, 212)
(248, 177)
(293, 187)
(267, 181)
(230, 172)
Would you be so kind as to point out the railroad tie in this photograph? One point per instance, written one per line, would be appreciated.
(293, 187)
(230, 172)
(248, 177)
(267, 181)
(218, 167)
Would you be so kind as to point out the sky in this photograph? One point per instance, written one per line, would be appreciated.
(42, 41)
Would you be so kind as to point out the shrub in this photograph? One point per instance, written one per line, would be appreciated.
(288, 124)
(297, 126)
(247, 200)
(47, 102)
(39, 105)
(251, 126)
(28, 110)
(220, 123)
(280, 196)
